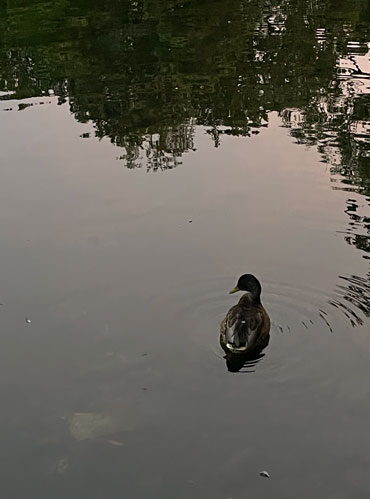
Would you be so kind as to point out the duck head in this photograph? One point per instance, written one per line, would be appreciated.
(250, 284)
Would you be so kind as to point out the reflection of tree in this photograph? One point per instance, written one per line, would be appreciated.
(159, 151)
(134, 68)
(142, 68)
(144, 72)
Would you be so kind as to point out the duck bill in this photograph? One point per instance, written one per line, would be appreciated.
(234, 290)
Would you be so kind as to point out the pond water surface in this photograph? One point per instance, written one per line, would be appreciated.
(151, 153)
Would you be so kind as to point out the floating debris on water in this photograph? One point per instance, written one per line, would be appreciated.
(190, 221)
(265, 474)
(28, 321)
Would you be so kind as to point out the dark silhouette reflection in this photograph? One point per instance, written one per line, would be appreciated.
(353, 296)
(243, 363)
(144, 73)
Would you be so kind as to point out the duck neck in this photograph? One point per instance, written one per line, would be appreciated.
(249, 299)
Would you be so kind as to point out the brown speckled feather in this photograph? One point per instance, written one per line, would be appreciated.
(245, 328)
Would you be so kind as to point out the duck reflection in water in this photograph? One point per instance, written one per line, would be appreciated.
(243, 363)
(245, 331)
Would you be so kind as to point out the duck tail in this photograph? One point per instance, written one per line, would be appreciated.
(237, 338)
(240, 339)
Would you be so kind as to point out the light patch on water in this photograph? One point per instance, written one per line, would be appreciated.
(6, 93)
(62, 465)
(90, 425)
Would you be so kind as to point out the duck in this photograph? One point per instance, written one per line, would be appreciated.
(246, 326)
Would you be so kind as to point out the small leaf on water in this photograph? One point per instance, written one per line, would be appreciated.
(265, 474)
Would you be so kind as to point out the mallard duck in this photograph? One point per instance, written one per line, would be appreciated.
(246, 327)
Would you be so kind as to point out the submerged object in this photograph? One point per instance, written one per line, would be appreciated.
(246, 327)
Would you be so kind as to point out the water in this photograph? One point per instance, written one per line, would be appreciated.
(119, 126)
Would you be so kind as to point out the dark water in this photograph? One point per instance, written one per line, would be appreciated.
(151, 152)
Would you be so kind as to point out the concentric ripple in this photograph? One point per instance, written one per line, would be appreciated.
(292, 309)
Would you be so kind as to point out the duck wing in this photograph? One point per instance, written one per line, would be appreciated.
(241, 327)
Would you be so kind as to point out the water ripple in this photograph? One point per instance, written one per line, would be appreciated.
(293, 309)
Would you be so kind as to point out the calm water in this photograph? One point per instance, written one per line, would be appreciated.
(152, 152)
